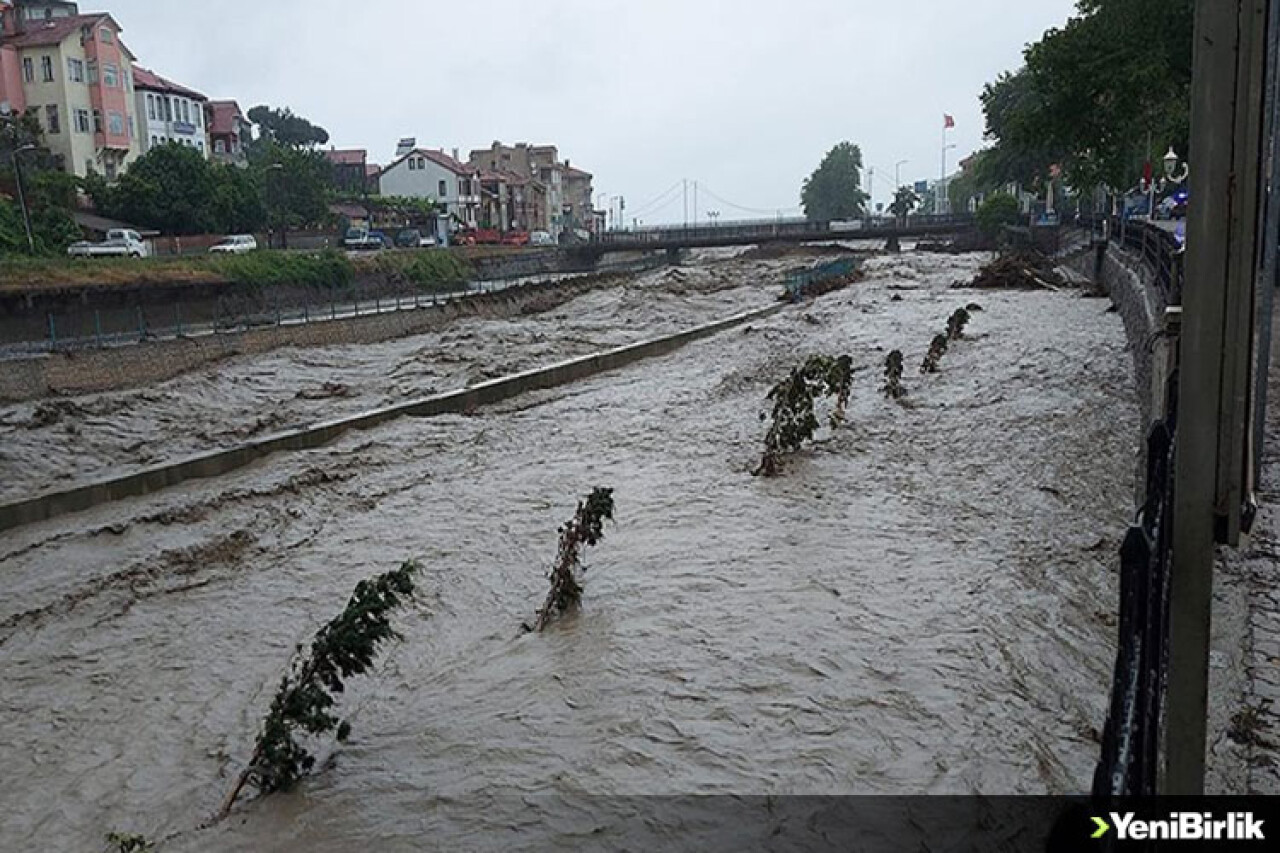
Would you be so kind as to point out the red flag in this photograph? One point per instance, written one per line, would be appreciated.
(947, 122)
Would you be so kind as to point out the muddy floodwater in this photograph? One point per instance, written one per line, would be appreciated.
(921, 603)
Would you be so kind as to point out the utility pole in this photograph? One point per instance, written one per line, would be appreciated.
(1210, 471)
(22, 197)
(685, 190)
(695, 204)
(871, 188)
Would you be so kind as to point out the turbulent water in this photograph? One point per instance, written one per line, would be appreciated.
(921, 602)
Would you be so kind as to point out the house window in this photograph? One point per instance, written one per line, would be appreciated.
(88, 166)
(92, 70)
(219, 146)
(115, 124)
(195, 116)
(168, 108)
(46, 68)
(51, 118)
(28, 70)
(110, 75)
(151, 107)
(444, 189)
(83, 125)
(104, 35)
(97, 121)
(155, 142)
(75, 70)
(186, 112)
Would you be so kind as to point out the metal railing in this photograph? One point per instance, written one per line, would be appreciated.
(1159, 247)
(781, 228)
(136, 322)
(1130, 754)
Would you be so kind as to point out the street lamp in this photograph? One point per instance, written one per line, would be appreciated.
(22, 197)
(714, 216)
(273, 170)
(1171, 176)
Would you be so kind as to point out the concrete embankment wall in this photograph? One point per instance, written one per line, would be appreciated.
(221, 462)
(1131, 286)
(131, 365)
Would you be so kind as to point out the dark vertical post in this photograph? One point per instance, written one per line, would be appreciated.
(1215, 355)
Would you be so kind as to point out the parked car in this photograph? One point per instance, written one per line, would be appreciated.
(383, 241)
(120, 243)
(236, 244)
(541, 238)
(412, 238)
(361, 240)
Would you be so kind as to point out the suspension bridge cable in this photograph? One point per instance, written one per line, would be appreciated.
(648, 205)
(704, 188)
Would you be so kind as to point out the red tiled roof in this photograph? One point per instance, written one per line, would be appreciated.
(151, 81)
(55, 30)
(347, 157)
(439, 158)
(223, 115)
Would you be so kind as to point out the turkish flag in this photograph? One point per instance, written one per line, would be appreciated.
(947, 122)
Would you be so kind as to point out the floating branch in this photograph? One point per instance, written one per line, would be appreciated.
(586, 528)
(345, 647)
(794, 421)
(937, 349)
(956, 324)
(893, 387)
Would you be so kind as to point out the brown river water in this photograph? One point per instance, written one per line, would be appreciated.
(921, 603)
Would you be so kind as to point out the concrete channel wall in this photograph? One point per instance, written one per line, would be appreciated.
(134, 364)
(217, 463)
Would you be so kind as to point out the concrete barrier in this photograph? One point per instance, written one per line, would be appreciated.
(219, 462)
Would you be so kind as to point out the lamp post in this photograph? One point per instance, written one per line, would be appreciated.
(1171, 176)
(22, 196)
(273, 170)
(714, 216)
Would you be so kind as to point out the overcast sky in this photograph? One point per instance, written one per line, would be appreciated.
(744, 96)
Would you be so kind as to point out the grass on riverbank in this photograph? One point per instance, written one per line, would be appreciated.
(326, 269)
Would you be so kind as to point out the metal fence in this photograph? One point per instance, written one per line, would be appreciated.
(800, 284)
(1130, 756)
(135, 320)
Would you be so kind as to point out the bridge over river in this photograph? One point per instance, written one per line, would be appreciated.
(750, 233)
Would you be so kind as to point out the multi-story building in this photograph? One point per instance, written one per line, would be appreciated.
(168, 112)
(567, 191)
(229, 132)
(77, 75)
(350, 169)
(424, 173)
(578, 204)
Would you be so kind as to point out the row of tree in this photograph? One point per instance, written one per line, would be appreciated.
(1094, 100)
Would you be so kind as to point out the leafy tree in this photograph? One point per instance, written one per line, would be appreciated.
(283, 127)
(171, 188)
(239, 205)
(905, 200)
(997, 211)
(1092, 93)
(834, 190)
(297, 184)
(50, 193)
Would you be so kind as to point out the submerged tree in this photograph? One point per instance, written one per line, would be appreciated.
(585, 528)
(956, 324)
(932, 359)
(794, 420)
(893, 387)
(304, 703)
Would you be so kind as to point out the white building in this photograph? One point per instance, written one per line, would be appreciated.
(168, 112)
(423, 173)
